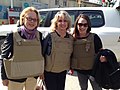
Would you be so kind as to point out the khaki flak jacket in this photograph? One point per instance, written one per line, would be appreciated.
(83, 53)
(27, 60)
(59, 59)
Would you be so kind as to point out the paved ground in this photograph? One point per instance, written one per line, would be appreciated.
(71, 83)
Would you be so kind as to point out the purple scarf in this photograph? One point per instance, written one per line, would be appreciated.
(29, 34)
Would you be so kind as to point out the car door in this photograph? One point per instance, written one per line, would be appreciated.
(110, 37)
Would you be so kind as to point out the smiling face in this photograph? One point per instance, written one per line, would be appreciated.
(62, 24)
(82, 26)
(30, 20)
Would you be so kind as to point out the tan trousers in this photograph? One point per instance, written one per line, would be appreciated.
(29, 84)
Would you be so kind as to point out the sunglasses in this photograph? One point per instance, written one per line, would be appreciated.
(31, 19)
(81, 24)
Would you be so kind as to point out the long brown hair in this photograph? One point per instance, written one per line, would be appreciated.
(76, 32)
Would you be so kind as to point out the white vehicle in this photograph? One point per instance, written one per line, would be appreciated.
(105, 22)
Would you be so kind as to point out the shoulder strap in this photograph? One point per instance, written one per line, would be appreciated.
(17, 36)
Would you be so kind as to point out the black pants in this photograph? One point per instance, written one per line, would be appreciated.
(55, 81)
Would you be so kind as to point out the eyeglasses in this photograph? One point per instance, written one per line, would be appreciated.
(31, 19)
(81, 24)
(62, 20)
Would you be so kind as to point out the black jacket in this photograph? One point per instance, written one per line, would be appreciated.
(104, 71)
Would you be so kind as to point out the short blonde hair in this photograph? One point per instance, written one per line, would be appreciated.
(54, 21)
(22, 15)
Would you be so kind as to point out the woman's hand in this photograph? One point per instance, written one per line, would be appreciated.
(5, 82)
(103, 59)
(71, 71)
(42, 76)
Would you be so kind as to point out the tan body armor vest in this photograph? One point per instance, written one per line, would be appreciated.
(27, 60)
(83, 53)
(59, 59)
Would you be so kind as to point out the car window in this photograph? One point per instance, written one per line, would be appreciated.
(43, 16)
(96, 17)
(73, 14)
(48, 16)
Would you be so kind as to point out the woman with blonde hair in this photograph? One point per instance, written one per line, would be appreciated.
(58, 47)
(22, 54)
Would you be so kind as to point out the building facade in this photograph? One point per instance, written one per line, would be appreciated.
(10, 9)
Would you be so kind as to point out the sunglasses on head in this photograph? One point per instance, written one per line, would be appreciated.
(83, 24)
